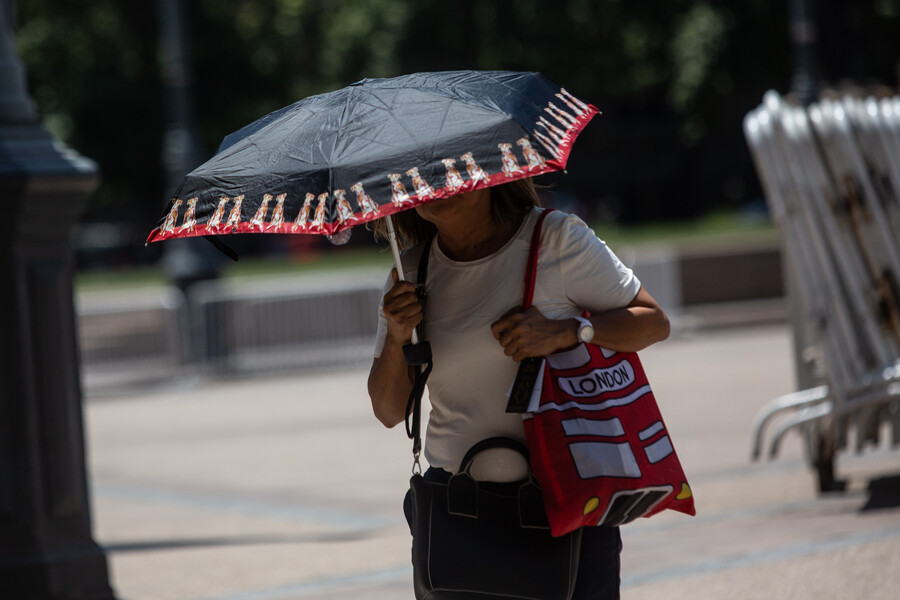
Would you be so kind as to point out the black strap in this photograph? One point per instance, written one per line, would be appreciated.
(419, 356)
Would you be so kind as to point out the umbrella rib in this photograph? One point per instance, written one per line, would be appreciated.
(443, 120)
(376, 139)
(449, 93)
(342, 122)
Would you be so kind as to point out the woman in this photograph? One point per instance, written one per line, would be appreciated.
(478, 332)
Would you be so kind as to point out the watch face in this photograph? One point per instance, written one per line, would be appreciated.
(586, 333)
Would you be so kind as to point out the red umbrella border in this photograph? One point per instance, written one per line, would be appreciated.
(555, 138)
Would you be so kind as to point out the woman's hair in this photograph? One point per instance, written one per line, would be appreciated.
(508, 203)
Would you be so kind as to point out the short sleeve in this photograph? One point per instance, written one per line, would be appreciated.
(593, 276)
(381, 330)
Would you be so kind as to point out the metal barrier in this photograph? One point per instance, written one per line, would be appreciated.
(831, 177)
(136, 338)
(128, 338)
(246, 331)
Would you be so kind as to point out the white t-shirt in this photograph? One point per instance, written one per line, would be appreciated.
(471, 377)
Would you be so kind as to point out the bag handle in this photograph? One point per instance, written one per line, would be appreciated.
(531, 266)
(529, 368)
(462, 488)
(490, 444)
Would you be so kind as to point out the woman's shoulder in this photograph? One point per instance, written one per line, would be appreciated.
(560, 227)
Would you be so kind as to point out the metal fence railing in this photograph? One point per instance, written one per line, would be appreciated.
(293, 329)
(134, 338)
(130, 338)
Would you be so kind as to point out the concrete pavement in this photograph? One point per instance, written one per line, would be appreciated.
(287, 487)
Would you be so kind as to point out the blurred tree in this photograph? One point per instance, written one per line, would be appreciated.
(254, 56)
(93, 74)
(673, 79)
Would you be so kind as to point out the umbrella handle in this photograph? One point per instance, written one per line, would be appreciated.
(395, 250)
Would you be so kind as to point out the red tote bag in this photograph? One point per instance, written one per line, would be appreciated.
(599, 447)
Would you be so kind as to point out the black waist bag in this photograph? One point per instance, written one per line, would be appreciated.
(483, 541)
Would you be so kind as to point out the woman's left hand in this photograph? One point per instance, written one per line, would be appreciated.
(528, 333)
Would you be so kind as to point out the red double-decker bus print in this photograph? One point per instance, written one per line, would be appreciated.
(612, 430)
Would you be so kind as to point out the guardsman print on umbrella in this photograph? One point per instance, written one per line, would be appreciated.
(374, 148)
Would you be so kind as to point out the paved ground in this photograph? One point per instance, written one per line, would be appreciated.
(288, 488)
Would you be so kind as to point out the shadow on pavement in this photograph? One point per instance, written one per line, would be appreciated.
(154, 545)
(884, 492)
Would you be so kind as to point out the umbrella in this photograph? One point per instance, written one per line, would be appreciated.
(374, 148)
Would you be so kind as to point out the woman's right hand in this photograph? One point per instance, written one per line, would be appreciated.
(402, 310)
(391, 378)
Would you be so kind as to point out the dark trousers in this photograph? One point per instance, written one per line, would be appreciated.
(598, 569)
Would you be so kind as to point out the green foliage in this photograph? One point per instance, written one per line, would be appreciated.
(697, 41)
(92, 72)
(717, 229)
(255, 56)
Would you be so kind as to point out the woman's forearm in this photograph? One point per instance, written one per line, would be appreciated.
(390, 382)
(633, 327)
(630, 329)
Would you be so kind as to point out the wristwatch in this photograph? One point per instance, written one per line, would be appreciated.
(585, 330)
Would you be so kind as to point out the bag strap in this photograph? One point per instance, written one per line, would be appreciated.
(490, 443)
(419, 356)
(531, 266)
(526, 376)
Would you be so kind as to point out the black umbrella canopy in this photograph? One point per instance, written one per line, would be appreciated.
(374, 148)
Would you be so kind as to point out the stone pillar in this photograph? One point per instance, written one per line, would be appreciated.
(46, 546)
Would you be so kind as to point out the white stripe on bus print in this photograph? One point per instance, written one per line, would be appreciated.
(624, 400)
(602, 459)
(605, 428)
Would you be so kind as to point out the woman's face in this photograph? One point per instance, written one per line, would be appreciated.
(472, 204)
